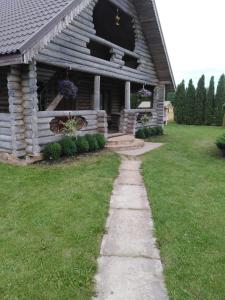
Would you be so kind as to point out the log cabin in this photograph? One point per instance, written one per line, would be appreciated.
(110, 49)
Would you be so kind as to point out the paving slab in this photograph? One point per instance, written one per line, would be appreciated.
(130, 201)
(122, 278)
(129, 178)
(129, 197)
(129, 233)
(130, 165)
(140, 151)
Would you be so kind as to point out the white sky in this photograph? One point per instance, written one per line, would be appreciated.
(194, 31)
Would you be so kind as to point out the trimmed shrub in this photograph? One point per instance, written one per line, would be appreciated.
(82, 144)
(93, 143)
(68, 145)
(147, 132)
(140, 134)
(100, 140)
(221, 143)
(159, 130)
(52, 151)
(154, 131)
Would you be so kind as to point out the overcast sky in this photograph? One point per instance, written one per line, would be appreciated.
(194, 31)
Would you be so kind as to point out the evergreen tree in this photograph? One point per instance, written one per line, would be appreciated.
(179, 103)
(200, 102)
(219, 101)
(210, 103)
(190, 103)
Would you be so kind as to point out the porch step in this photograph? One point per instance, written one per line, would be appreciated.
(124, 142)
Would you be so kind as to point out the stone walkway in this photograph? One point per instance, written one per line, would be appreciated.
(129, 266)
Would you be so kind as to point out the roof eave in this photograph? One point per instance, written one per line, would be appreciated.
(11, 59)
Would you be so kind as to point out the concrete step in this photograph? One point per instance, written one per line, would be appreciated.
(124, 142)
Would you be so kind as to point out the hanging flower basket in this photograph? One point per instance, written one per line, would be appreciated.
(68, 89)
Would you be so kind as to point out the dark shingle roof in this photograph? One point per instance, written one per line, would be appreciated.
(21, 19)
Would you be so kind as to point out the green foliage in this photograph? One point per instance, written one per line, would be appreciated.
(171, 97)
(200, 106)
(200, 102)
(159, 130)
(221, 143)
(179, 103)
(69, 147)
(52, 151)
(100, 140)
(210, 103)
(190, 103)
(82, 144)
(93, 143)
(140, 134)
(147, 132)
(219, 101)
(69, 127)
(145, 120)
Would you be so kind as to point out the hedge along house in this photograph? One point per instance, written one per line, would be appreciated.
(108, 48)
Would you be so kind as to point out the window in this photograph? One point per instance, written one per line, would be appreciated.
(105, 25)
(130, 61)
(99, 50)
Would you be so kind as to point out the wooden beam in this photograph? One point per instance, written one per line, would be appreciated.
(55, 102)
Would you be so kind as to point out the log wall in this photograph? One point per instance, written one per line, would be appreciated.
(69, 49)
(5, 133)
(4, 103)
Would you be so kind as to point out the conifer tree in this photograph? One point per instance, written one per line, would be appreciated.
(179, 103)
(190, 103)
(210, 103)
(200, 102)
(219, 101)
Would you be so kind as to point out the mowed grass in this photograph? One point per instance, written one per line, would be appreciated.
(52, 221)
(185, 180)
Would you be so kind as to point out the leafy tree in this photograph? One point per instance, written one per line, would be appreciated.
(190, 103)
(200, 102)
(179, 103)
(219, 101)
(210, 103)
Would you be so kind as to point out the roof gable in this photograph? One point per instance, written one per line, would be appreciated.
(24, 23)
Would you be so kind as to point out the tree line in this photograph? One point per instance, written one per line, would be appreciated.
(201, 105)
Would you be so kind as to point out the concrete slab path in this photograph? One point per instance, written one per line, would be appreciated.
(129, 266)
(142, 150)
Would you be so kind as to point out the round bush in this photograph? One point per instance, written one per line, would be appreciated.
(140, 134)
(69, 147)
(158, 130)
(154, 131)
(92, 141)
(221, 143)
(100, 140)
(52, 151)
(82, 144)
(147, 131)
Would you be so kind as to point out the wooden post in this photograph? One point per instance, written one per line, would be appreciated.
(97, 93)
(30, 104)
(159, 99)
(16, 111)
(127, 95)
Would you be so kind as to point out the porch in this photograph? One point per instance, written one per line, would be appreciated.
(31, 107)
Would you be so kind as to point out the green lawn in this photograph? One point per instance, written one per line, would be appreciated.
(186, 183)
(51, 222)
